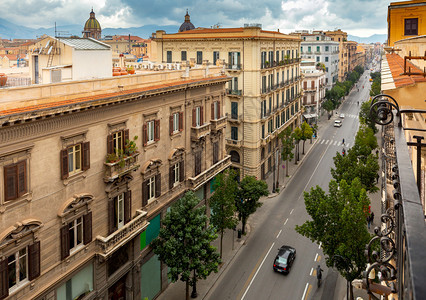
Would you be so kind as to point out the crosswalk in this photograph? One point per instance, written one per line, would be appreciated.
(334, 143)
(352, 116)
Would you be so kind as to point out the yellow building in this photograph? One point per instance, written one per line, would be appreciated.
(406, 19)
(264, 95)
(341, 37)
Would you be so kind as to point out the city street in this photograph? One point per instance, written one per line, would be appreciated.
(250, 276)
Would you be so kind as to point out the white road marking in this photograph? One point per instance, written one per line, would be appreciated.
(312, 270)
(322, 141)
(279, 233)
(291, 211)
(285, 221)
(326, 142)
(316, 256)
(306, 288)
(255, 274)
(319, 246)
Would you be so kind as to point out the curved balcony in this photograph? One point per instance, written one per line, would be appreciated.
(200, 131)
(218, 124)
(114, 170)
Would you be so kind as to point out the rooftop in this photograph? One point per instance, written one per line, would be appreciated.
(84, 43)
(396, 68)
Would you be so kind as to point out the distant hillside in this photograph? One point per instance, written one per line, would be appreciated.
(9, 30)
(368, 40)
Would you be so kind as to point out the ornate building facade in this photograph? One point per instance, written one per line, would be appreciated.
(81, 198)
(264, 95)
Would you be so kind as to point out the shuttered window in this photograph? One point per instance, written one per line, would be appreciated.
(75, 159)
(119, 211)
(215, 152)
(15, 180)
(76, 233)
(116, 141)
(197, 163)
(151, 132)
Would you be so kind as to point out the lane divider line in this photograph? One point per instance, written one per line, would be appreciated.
(279, 233)
(291, 211)
(319, 246)
(285, 221)
(312, 269)
(306, 288)
(316, 256)
(255, 274)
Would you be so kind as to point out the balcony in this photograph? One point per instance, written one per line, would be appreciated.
(200, 131)
(107, 245)
(218, 124)
(234, 118)
(269, 65)
(235, 93)
(233, 67)
(265, 90)
(266, 140)
(211, 172)
(114, 170)
(236, 143)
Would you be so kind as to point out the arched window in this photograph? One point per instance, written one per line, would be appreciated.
(235, 157)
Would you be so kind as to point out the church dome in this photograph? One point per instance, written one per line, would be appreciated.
(187, 25)
(92, 28)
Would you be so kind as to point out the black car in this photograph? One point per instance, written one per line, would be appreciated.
(284, 259)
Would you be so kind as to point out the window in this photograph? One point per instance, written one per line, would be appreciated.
(326, 69)
(301, 49)
(326, 59)
(176, 123)
(151, 189)
(17, 265)
(277, 55)
(74, 159)
(151, 132)
(234, 60)
(234, 110)
(116, 141)
(197, 159)
(234, 133)
(197, 116)
(215, 110)
(215, 57)
(119, 211)
(278, 99)
(183, 55)
(176, 174)
(309, 48)
(317, 38)
(270, 105)
(235, 156)
(263, 131)
(318, 48)
(318, 58)
(263, 108)
(199, 57)
(215, 152)
(76, 233)
(78, 285)
(15, 180)
(326, 48)
(263, 59)
(277, 121)
(169, 56)
(411, 26)
(263, 84)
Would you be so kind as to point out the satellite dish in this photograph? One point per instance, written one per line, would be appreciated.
(50, 49)
(47, 45)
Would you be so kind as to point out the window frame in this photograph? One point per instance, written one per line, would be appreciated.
(12, 173)
(411, 31)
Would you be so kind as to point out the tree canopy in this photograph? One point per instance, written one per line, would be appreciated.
(338, 223)
(287, 146)
(306, 132)
(184, 242)
(364, 116)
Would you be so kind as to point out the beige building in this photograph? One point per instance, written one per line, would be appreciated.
(341, 37)
(351, 48)
(264, 94)
(314, 87)
(79, 203)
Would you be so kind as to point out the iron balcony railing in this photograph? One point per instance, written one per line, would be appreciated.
(233, 92)
(234, 67)
(401, 237)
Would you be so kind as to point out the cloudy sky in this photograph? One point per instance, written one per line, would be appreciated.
(357, 17)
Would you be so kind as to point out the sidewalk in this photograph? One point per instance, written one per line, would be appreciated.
(231, 244)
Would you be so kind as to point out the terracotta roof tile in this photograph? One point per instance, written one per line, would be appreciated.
(57, 104)
(396, 66)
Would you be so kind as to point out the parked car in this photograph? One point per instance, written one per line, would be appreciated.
(337, 123)
(284, 259)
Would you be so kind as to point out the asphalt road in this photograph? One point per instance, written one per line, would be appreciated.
(251, 277)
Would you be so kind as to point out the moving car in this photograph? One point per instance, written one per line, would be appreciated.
(342, 116)
(284, 259)
(337, 123)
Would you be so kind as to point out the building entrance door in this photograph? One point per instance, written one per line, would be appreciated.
(118, 290)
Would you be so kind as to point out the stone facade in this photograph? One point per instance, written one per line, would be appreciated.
(264, 95)
(79, 216)
(313, 86)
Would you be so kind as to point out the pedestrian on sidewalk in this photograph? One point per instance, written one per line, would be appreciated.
(368, 221)
(372, 217)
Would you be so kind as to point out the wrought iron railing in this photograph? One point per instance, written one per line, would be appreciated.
(401, 237)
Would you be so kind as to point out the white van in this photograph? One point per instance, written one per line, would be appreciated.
(337, 123)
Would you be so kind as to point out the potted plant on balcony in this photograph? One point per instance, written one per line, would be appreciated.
(287, 59)
(131, 70)
(267, 63)
(120, 155)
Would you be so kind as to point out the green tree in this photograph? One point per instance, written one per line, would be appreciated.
(297, 137)
(306, 132)
(359, 69)
(328, 105)
(359, 162)
(222, 203)
(338, 223)
(364, 116)
(288, 146)
(183, 243)
(249, 192)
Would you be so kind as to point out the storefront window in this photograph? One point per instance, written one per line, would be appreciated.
(78, 286)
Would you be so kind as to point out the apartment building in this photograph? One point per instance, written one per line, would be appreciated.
(81, 199)
(323, 50)
(263, 94)
(341, 37)
(351, 49)
(313, 86)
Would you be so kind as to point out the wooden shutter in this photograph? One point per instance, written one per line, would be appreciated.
(126, 136)
(145, 134)
(181, 171)
(229, 58)
(212, 105)
(171, 125)
(218, 109)
(180, 121)
(127, 207)
(4, 279)
(156, 130)
(144, 193)
(86, 156)
(110, 144)
(64, 164)
(201, 115)
(87, 225)
(34, 260)
(22, 178)
(111, 223)
(157, 185)
(171, 177)
(305, 85)
(194, 116)
(10, 182)
(65, 242)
